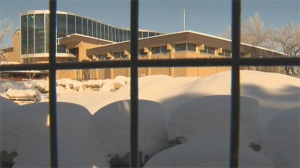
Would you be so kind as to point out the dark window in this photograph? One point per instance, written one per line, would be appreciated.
(208, 50)
(117, 35)
(98, 30)
(61, 49)
(84, 26)
(78, 25)
(39, 34)
(145, 34)
(151, 34)
(142, 53)
(102, 57)
(71, 24)
(180, 47)
(140, 35)
(155, 50)
(121, 32)
(30, 35)
(94, 29)
(191, 47)
(61, 25)
(90, 28)
(103, 31)
(164, 49)
(225, 53)
(24, 34)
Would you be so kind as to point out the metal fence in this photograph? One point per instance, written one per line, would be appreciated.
(235, 62)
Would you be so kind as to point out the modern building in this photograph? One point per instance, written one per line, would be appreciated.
(84, 39)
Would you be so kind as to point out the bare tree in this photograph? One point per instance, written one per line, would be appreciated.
(287, 40)
(30, 59)
(252, 31)
(6, 27)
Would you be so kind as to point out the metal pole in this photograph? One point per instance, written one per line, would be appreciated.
(134, 13)
(235, 84)
(52, 83)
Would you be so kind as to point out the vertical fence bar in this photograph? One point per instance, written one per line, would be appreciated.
(235, 84)
(52, 83)
(134, 13)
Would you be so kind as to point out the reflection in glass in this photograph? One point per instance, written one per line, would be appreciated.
(39, 34)
(71, 24)
(30, 34)
(24, 34)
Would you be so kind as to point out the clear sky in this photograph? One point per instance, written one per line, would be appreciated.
(205, 16)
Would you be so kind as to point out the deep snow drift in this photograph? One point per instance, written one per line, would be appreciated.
(94, 125)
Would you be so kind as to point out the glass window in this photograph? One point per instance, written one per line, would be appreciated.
(39, 34)
(145, 34)
(164, 49)
(111, 33)
(61, 49)
(117, 35)
(78, 25)
(225, 53)
(102, 31)
(128, 35)
(47, 32)
(180, 47)
(106, 32)
(208, 50)
(30, 35)
(142, 53)
(98, 30)
(71, 24)
(90, 28)
(121, 32)
(140, 35)
(103, 57)
(191, 47)
(24, 34)
(155, 50)
(151, 34)
(84, 26)
(61, 25)
(94, 29)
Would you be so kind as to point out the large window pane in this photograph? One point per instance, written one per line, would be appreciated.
(106, 34)
(164, 49)
(191, 47)
(84, 26)
(98, 30)
(155, 50)
(47, 32)
(90, 28)
(30, 34)
(121, 32)
(61, 25)
(39, 34)
(151, 34)
(24, 34)
(140, 35)
(94, 29)
(117, 35)
(103, 31)
(78, 25)
(110, 33)
(61, 48)
(71, 24)
(180, 47)
(145, 34)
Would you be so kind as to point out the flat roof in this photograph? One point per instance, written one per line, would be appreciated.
(183, 37)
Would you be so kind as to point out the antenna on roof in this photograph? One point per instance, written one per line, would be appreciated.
(183, 19)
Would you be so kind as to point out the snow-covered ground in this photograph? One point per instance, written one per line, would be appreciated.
(191, 113)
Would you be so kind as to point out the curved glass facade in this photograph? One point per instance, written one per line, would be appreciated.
(34, 30)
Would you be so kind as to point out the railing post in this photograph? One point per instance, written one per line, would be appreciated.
(134, 13)
(235, 84)
(52, 83)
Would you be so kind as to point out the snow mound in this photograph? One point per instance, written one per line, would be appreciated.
(209, 117)
(6, 105)
(7, 84)
(111, 126)
(282, 136)
(24, 93)
(26, 131)
(206, 153)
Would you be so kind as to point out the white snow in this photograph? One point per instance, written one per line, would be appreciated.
(94, 125)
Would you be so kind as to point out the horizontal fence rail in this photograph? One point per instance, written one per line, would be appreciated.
(192, 62)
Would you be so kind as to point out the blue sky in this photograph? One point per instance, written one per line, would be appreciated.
(206, 16)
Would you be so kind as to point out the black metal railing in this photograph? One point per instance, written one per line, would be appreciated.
(235, 62)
